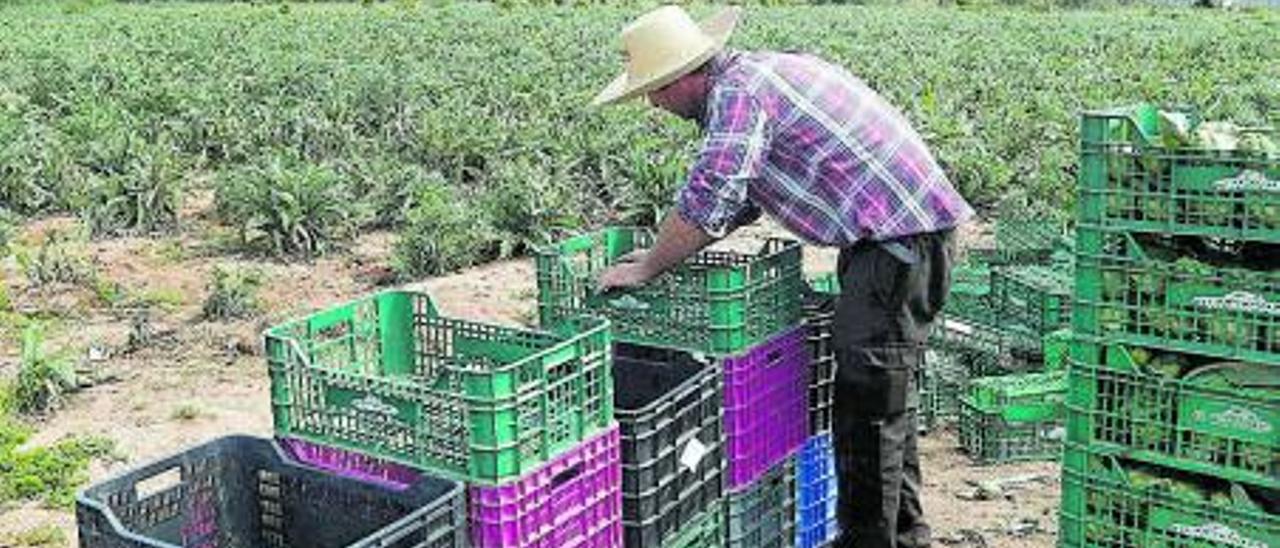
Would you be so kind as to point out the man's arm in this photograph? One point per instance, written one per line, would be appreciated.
(677, 240)
(714, 200)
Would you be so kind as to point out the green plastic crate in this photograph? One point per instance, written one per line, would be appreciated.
(826, 283)
(1025, 397)
(970, 294)
(1029, 232)
(1013, 418)
(1057, 349)
(1221, 420)
(1037, 297)
(941, 382)
(1130, 181)
(388, 376)
(1129, 294)
(1111, 503)
(705, 531)
(990, 438)
(716, 302)
(983, 349)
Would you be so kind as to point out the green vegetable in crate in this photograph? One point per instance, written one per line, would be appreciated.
(1113, 285)
(1213, 211)
(1140, 356)
(1113, 319)
(1149, 283)
(1142, 481)
(1263, 214)
(1155, 208)
(1228, 331)
(1259, 143)
(1167, 366)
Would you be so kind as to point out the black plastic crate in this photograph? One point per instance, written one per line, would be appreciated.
(243, 491)
(669, 407)
(819, 313)
(762, 515)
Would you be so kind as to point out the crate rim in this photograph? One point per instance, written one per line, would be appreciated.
(592, 325)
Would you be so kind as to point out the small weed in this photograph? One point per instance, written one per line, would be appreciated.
(167, 298)
(188, 411)
(171, 251)
(233, 294)
(49, 474)
(45, 536)
(58, 259)
(109, 293)
(43, 380)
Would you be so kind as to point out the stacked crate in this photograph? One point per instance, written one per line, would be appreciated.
(1002, 304)
(386, 387)
(739, 316)
(1174, 390)
(816, 489)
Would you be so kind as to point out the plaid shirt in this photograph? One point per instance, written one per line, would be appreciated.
(818, 150)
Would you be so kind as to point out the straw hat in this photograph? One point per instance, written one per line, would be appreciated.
(663, 45)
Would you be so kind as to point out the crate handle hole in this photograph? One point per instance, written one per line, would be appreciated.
(158, 483)
(566, 476)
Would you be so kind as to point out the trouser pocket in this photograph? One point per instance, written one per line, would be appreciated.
(877, 381)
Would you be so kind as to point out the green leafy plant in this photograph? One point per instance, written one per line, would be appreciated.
(289, 207)
(142, 199)
(441, 234)
(233, 294)
(49, 474)
(59, 258)
(44, 380)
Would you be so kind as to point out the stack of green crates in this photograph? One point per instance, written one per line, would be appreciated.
(1006, 309)
(1173, 428)
(718, 305)
(1013, 417)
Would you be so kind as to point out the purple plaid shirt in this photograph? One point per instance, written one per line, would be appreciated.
(818, 150)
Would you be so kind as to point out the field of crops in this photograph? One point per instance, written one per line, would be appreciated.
(464, 126)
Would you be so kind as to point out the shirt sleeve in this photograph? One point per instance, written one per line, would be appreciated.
(714, 198)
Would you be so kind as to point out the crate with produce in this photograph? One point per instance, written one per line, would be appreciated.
(1013, 418)
(1150, 170)
(1182, 411)
(1178, 294)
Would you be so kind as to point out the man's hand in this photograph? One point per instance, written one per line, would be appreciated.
(630, 271)
(677, 240)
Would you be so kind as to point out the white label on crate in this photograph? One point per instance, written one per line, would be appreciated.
(1217, 532)
(629, 302)
(1248, 180)
(1237, 417)
(372, 404)
(692, 454)
(1239, 301)
(958, 327)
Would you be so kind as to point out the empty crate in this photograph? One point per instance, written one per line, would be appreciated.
(669, 409)
(389, 376)
(244, 491)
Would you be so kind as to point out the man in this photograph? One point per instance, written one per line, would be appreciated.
(834, 163)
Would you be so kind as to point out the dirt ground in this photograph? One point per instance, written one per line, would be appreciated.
(194, 380)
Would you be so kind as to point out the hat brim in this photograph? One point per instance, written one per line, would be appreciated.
(718, 27)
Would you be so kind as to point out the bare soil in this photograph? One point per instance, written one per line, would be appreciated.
(194, 380)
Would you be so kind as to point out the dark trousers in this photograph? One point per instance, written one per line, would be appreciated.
(890, 294)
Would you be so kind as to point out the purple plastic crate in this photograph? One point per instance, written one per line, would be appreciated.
(351, 464)
(766, 414)
(574, 500)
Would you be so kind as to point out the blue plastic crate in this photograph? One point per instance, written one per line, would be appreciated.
(816, 492)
